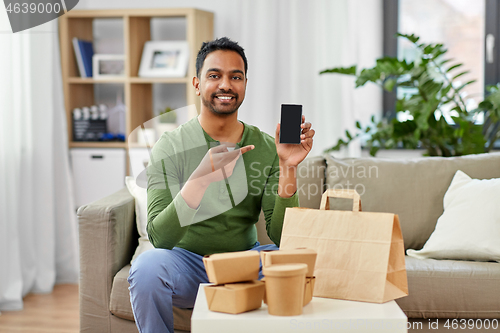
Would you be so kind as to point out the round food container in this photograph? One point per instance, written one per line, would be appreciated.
(285, 288)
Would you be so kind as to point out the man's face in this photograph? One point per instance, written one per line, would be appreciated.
(222, 82)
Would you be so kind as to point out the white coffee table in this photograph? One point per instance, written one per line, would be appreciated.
(321, 315)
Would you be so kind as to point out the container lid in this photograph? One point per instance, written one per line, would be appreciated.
(243, 285)
(301, 255)
(284, 269)
(299, 250)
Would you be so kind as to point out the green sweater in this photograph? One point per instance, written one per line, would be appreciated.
(225, 220)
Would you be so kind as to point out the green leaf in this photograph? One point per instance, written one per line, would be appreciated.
(446, 90)
(412, 38)
(389, 144)
(373, 150)
(340, 143)
(369, 74)
(445, 61)
(464, 85)
(349, 136)
(485, 105)
(453, 67)
(358, 125)
(341, 70)
(416, 134)
(460, 74)
(389, 84)
(427, 49)
(403, 128)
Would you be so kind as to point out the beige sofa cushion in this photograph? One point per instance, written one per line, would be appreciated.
(120, 306)
(141, 217)
(412, 188)
(451, 289)
(311, 181)
(469, 228)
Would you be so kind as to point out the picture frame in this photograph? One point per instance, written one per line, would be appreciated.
(164, 59)
(108, 66)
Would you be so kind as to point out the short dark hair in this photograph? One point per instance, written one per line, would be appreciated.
(222, 43)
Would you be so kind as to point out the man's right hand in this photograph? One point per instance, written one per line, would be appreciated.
(217, 164)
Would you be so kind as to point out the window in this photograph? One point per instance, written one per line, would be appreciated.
(467, 28)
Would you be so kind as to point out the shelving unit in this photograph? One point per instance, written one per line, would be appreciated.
(138, 91)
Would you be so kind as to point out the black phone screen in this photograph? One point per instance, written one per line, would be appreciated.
(291, 119)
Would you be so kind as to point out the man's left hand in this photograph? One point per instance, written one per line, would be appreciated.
(291, 155)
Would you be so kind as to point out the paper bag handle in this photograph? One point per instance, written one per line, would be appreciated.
(348, 194)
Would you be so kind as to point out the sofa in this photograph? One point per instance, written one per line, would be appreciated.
(412, 188)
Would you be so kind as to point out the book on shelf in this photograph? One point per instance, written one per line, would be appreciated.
(83, 52)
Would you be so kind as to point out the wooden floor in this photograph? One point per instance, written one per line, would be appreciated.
(45, 313)
(58, 313)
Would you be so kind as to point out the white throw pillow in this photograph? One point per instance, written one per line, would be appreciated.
(141, 211)
(469, 228)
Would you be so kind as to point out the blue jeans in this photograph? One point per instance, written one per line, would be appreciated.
(160, 279)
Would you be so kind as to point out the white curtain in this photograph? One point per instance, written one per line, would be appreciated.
(38, 235)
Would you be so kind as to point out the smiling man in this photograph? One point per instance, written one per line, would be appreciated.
(207, 182)
(222, 97)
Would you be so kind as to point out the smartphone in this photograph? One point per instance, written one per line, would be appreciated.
(291, 119)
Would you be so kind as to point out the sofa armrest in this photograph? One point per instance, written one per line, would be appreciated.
(106, 230)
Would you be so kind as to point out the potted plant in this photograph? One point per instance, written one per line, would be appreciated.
(432, 92)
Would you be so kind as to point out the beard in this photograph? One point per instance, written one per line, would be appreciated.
(224, 110)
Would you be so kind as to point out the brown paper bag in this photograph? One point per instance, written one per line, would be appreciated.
(360, 254)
